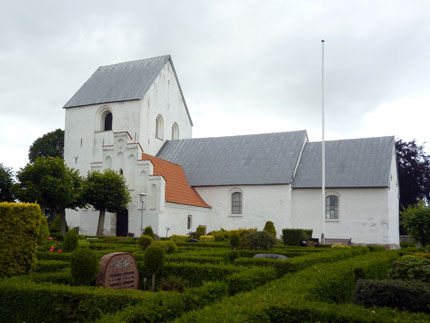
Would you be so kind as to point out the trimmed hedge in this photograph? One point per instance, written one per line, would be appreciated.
(208, 239)
(413, 296)
(168, 306)
(25, 301)
(249, 279)
(19, 229)
(298, 263)
(309, 296)
(293, 237)
(49, 266)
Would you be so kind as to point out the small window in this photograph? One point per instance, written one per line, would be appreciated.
(189, 222)
(159, 127)
(236, 203)
(175, 131)
(108, 122)
(332, 207)
(121, 172)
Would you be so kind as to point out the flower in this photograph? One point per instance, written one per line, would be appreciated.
(59, 250)
(51, 250)
(51, 238)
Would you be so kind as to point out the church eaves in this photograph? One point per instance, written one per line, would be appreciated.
(122, 82)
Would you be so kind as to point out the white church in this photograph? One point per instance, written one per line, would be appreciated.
(133, 118)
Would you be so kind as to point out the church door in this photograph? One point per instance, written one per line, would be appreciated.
(122, 223)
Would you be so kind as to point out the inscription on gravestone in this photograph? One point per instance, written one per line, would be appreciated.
(118, 270)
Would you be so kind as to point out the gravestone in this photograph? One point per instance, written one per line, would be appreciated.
(118, 270)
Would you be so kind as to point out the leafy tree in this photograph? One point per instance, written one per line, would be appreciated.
(6, 182)
(106, 191)
(269, 227)
(49, 145)
(153, 260)
(50, 183)
(414, 173)
(416, 221)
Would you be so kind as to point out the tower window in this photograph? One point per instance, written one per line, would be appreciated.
(159, 127)
(108, 122)
(175, 131)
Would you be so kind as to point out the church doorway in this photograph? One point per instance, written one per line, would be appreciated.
(122, 223)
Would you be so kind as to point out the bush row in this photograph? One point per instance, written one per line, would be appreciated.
(294, 264)
(413, 296)
(316, 294)
(47, 266)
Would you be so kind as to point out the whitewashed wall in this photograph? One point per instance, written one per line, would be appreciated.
(175, 217)
(260, 203)
(363, 214)
(164, 98)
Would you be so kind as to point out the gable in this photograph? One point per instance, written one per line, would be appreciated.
(237, 160)
(364, 162)
(122, 82)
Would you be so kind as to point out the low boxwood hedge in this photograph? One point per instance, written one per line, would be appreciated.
(413, 295)
(47, 266)
(316, 294)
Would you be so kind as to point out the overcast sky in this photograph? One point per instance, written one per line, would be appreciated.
(244, 66)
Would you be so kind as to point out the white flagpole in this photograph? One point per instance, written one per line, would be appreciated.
(323, 146)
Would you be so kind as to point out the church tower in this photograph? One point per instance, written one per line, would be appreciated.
(119, 113)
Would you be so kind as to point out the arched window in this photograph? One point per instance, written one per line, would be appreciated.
(332, 207)
(175, 131)
(159, 127)
(189, 222)
(108, 122)
(236, 203)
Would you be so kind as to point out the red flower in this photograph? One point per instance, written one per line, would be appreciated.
(59, 250)
(51, 250)
(51, 238)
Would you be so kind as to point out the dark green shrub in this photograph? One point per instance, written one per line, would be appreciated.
(153, 259)
(19, 230)
(234, 241)
(70, 241)
(293, 237)
(374, 248)
(56, 224)
(145, 241)
(269, 227)
(84, 266)
(174, 283)
(43, 231)
(411, 268)
(260, 240)
(231, 256)
(412, 296)
(416, 221)
(82, 243)
(148, 232)
(168, 246)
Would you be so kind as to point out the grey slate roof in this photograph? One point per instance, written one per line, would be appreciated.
(121, 82)
(349, 163)
(238, 160)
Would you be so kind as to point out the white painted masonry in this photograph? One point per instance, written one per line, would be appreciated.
(367, 215)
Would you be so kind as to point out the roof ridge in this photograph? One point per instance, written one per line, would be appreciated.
(350, 139)
(236, 136)
(136, 60)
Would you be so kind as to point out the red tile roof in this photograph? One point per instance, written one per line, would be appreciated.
(177, 188)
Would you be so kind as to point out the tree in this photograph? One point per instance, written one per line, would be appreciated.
(6, 182)
(153, 260)
(414, 173)
(50, 183)
(49, 145)
(106, 191)
(416, 221)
